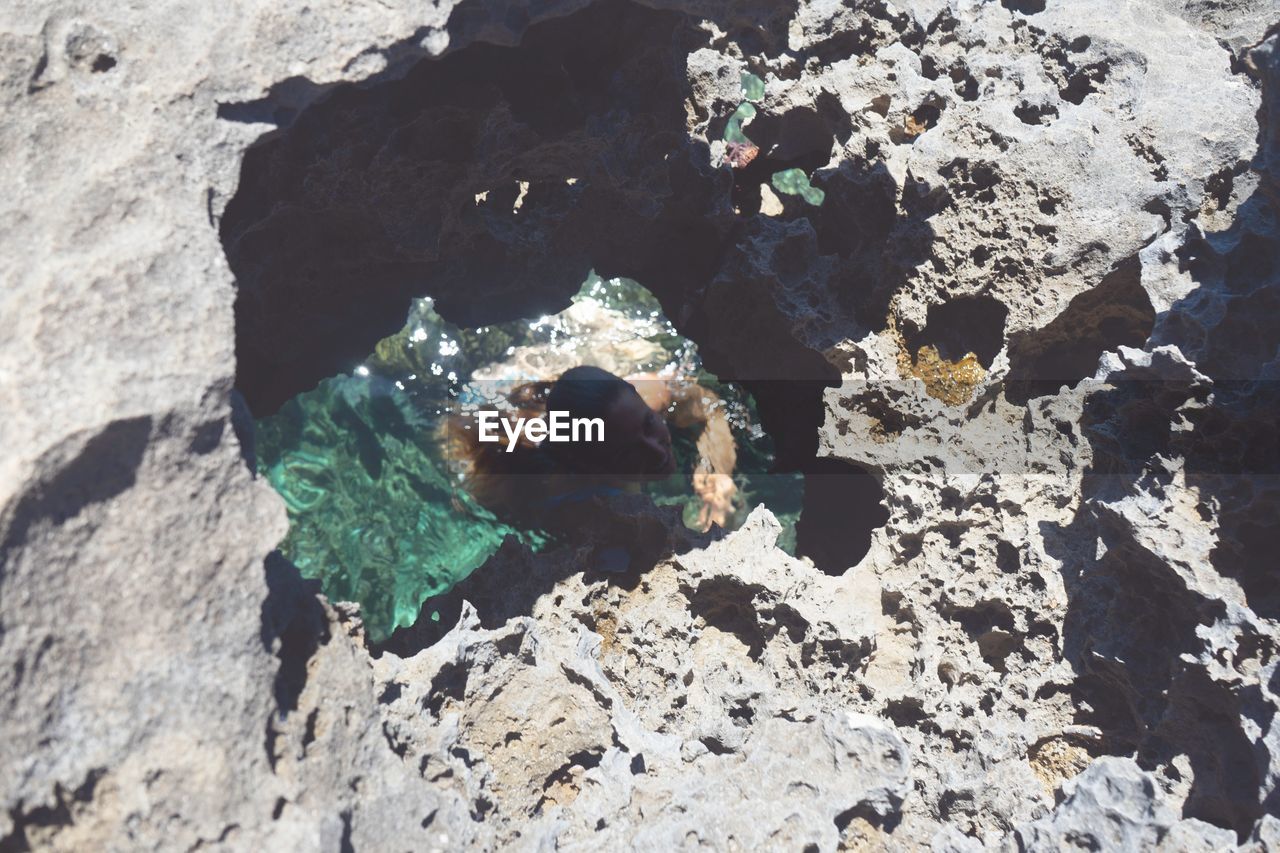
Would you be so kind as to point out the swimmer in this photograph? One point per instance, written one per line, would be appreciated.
(540, 480)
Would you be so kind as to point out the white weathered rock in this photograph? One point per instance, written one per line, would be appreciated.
(1077, 565)
(1113, 805)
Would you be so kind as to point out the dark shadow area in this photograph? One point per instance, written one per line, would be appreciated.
(860, 211)
(798, 139)
(727, 605)
(881, 24)
(990, 624)
(407, 188)
(1129, 621)
(1132, 615)
(105, 466)
(293, 617)
(510, 582)
(59, 814)
(1115, 313)
(1024, 7)
(789, 381)
(757, 27)
(966, 324)
(878, 243)
(280, 107)
(842, 509)
(294, 626)
(1230, 325)
(865, 812)
(1029, 113)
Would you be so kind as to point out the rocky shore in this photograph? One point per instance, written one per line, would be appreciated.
(1039, 302)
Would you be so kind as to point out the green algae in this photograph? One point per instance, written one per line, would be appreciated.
(796, 182)
(372, 513)
(733, 130)
(752, 90)
(376, 512)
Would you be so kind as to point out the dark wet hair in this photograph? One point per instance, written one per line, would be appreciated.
(515, 483)
(585, 392)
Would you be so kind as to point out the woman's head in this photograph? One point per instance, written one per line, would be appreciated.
(636, 442)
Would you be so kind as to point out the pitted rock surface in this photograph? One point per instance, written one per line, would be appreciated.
(1038, 304)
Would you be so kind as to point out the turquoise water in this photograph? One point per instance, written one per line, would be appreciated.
(376, 512)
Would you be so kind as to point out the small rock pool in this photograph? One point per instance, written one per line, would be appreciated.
(376, 511)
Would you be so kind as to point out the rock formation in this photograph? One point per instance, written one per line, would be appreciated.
(1037, 304)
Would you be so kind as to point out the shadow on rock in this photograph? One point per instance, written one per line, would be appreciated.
(618, 538)
(1169, 565)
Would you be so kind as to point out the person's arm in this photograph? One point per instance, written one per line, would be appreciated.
(693, 405)
(687, 404)
(713, 478)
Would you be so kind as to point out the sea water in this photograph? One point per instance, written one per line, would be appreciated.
(377, 513)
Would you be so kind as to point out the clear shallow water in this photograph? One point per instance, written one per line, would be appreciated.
(375, 510)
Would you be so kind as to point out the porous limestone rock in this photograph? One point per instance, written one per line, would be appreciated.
(563, 729)
(1038, 304)
(1114, 805)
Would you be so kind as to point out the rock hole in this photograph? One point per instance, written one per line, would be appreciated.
(1084, 82)
(1029, 113)
(1219, 185)
(585, 759)
(449, 685)
(859, 213)
(1007, 559)
(798, 139)
(866, 811)
(843, 507)
(966, 324)
(368, 199)
(728, 606)
(980, 617)
(995, 646)
(907, 712)
(1024, 7)
(966, 85)
(370, 480)
(716, 747)
(309, 730)
(926, 116)
(88, 47)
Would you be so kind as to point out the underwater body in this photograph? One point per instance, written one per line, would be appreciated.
(377, 511)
